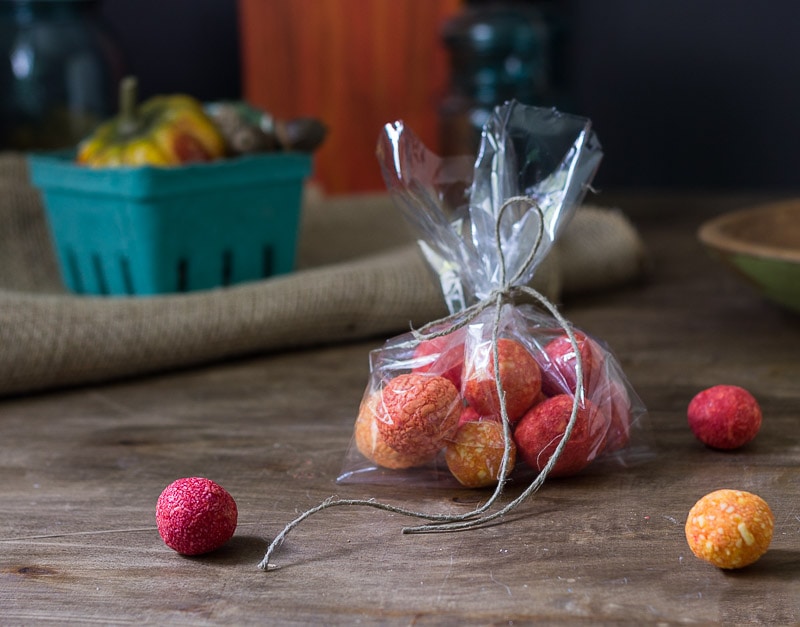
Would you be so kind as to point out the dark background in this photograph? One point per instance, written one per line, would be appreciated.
(683, 94)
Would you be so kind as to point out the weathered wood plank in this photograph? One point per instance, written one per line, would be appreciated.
(81, 471)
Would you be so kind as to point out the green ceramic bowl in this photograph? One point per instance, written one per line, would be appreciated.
(761, 245)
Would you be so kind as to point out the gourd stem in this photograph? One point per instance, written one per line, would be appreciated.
(128, 94)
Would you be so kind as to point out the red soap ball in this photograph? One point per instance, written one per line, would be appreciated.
(724, 416)
(558, 371)
(468, 414)
(417, 412)
(617, 405)
(443, 355)
(475, 454)
(730, 528)
(541, 429)
(370, 442)
(195, 515)
(520, 378)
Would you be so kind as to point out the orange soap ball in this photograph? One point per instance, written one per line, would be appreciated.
(417, 412)
(520, 378)
(730, 528)
(370, 442)
(475, 455)
(724, 416)
(195, 515)
(539, 432)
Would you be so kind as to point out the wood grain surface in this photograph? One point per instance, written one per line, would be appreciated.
(81, 470)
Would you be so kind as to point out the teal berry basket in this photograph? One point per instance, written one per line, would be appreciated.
(143, 231)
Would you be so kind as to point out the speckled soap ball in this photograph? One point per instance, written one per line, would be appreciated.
(475, 454)
(417, 412)
(724, 416)
(195, 515)
(730, 528)
(370, 442)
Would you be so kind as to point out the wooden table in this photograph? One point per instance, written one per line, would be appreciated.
(81, 471)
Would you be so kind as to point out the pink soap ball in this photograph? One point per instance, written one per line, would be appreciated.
(443, 355)
(541, 429)
(520, 378)
(724, 416)
(558, 370)
(195, 516)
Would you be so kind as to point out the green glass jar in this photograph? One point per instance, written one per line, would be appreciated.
(498, 51)
(59, 70)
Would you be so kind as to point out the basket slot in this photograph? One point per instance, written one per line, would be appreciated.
(97, 266)
(127, 277)
(183, 275)
(227, 267)
(267, 261)
(75, 272)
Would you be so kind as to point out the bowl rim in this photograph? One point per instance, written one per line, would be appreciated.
(712, 233)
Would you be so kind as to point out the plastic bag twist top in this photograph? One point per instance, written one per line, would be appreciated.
(455, 205)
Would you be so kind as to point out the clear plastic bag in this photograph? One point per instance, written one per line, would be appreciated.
(494, 392)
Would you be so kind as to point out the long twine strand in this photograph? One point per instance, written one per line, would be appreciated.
(453, 525)
(456, 522)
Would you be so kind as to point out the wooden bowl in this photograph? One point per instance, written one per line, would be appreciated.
(761, 245)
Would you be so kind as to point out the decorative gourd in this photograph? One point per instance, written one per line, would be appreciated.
(163, 131)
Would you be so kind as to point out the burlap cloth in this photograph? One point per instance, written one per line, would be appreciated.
(359, 276)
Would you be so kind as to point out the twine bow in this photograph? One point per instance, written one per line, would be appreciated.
(507, 292)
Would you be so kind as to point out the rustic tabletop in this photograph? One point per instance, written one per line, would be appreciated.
(82, 469)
